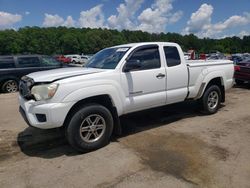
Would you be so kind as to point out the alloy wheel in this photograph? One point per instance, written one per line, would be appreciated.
(213, 100)
(92, 128)
(11, 86)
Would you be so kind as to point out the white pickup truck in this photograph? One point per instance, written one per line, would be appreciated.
(116, 81)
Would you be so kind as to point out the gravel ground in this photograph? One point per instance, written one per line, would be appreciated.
(174, 146)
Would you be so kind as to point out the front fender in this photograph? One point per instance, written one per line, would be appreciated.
(97, 90)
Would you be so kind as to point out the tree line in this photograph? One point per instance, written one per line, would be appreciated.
(62, 40)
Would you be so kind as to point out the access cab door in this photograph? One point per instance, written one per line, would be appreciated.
(177, 75)
(143, 79)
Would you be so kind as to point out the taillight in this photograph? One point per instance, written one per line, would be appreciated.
(236, 68)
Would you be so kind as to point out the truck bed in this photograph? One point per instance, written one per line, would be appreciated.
(194, 63)
(200, 69)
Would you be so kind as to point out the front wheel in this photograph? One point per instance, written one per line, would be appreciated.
(90, 128)
(211, 100)
(10, 86)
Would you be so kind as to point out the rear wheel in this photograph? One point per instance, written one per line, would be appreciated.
(211, 100)
(90, 128)
(10, 86)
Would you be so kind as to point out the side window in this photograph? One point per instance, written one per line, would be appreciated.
(7, 62)
(28, 61)
(49, 61)
(146, 58)
(172, 56)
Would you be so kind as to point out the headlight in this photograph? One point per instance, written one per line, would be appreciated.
(44, 91)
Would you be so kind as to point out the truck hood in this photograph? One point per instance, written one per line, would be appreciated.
(62, 73)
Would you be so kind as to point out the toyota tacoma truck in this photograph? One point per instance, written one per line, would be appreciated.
(88, 101)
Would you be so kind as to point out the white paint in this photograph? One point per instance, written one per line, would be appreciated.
(129, 91)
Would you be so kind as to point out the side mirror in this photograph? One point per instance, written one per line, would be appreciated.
(131, 65)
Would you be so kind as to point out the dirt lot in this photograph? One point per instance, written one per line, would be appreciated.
(173, 146)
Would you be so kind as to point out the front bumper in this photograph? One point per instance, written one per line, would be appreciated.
(55, 113)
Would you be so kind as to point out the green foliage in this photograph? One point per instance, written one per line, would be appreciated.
(62, 40)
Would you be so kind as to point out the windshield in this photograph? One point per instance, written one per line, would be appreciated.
(107, 58)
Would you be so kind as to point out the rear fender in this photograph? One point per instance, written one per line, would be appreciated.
(206, 81)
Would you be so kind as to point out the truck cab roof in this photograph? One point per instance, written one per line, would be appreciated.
(130, 45)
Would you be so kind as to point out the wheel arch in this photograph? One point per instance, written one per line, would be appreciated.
(220, 83)
(104, 100)
(5, 78)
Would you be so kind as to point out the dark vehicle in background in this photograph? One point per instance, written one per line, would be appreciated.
(63, 59)
(12, 68)
(216, 56)
(242, 72)
(236, 58)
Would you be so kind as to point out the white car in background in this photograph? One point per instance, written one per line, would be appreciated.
(81, 59)
(85, 59)
(75, 58)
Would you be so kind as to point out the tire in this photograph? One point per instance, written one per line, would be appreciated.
(10, 86)
(83, 134)
(239, 82)
(74, 62)
(211, 99)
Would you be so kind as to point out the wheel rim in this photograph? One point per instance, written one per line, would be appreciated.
(213, 100)
(11, 86)
(92, 128)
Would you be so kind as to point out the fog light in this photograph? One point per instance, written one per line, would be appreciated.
(41, 117)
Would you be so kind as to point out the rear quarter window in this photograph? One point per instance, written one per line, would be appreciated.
(28, 61)
(7, 63)
(172, 56)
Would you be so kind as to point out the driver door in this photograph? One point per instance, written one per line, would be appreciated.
(144, 79)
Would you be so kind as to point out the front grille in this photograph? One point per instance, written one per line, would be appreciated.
(25, 86)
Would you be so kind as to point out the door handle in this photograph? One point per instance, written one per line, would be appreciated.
(160, 75)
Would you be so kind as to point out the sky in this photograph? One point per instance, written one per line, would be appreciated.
(204, 18)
